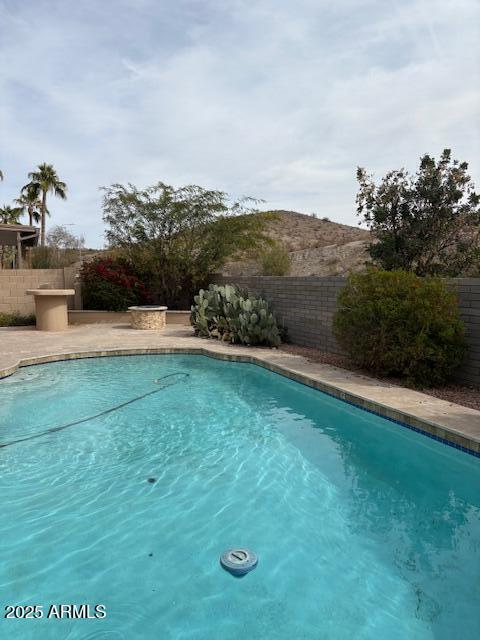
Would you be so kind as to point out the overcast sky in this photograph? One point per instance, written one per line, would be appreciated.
(277, 99)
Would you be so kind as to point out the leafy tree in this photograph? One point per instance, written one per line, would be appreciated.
(30, 203)
(45, 180)
(10, 215)
(276, 261)
(428, 223)
(1, 175)
(175, 238)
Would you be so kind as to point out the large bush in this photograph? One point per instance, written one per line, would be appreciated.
(230, 314)
(396, 323)
(52, 258)
(109, 284)
(276, 261)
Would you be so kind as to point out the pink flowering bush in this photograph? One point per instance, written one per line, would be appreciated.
(109, 284)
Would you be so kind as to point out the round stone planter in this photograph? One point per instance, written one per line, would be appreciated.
(148, 317)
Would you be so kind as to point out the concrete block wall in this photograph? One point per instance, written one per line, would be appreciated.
(468, 293)
(15, 282)
(306, 305)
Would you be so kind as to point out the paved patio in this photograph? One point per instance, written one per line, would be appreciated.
(459, 425)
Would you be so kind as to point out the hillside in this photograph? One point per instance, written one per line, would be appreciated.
(317, 246)
(297, 231)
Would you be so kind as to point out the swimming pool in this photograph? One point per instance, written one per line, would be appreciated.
(363, 529)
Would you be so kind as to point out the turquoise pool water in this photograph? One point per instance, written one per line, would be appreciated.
(364, 529)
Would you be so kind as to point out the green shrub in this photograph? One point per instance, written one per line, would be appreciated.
(52, 257)
(276, 261)
(396, 323)
(230, 314)
(108, 284)
(16, 320)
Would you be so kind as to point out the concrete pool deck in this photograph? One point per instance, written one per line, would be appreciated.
(460, 426)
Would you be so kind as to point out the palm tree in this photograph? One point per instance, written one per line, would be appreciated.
(30, 203)
(44, 181)
(10, 215)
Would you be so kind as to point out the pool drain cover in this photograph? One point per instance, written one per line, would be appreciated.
(238, 561)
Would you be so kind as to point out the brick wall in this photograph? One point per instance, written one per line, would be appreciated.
(14, 283)
(468, 292)
(305, 305)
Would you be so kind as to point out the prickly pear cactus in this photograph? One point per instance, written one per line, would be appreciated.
(231, 314)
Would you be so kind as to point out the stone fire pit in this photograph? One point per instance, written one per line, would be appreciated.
(148, 317)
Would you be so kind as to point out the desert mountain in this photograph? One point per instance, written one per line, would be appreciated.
(317, 246)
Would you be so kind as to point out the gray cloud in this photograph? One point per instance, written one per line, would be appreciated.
(274, 99)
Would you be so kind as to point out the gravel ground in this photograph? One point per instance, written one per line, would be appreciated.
(468, 396)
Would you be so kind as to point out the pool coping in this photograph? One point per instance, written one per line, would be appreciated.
(450, 436)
